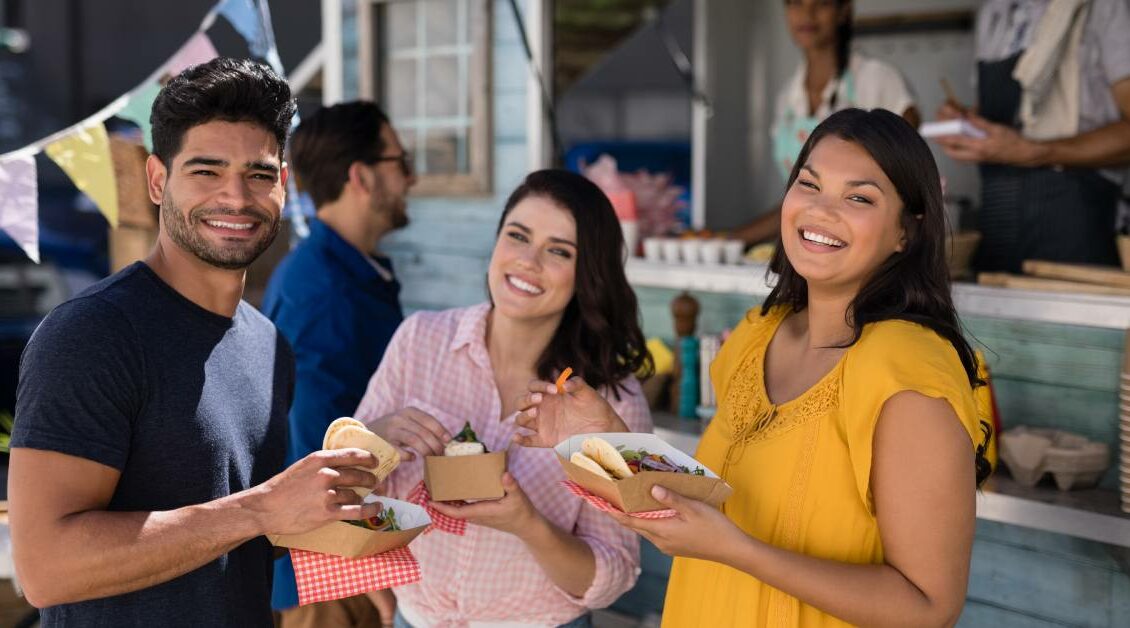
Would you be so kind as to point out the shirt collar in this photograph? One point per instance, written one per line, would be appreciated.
(471, 331)
(361, 266)
(798, 95)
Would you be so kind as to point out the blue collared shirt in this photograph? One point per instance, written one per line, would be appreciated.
(338, 308)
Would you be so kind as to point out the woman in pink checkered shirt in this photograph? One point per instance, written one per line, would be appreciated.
(558, 297)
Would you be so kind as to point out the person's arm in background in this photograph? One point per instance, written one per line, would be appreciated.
(1102, 147)
(765, 227)
(1106, 146)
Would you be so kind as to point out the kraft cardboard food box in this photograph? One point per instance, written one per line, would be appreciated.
(634, 494)
(352, 541)
(466, 478)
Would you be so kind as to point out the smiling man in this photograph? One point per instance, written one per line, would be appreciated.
(150, 437)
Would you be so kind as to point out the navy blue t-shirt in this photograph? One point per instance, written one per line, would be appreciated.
(188, 405)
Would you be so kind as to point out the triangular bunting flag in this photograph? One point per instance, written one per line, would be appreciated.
(19, 207)
(252, 19)
(138, 108)
(245, 17)
(84, 154)
(196, 50)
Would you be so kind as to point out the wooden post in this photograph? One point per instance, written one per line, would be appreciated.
(137, 215)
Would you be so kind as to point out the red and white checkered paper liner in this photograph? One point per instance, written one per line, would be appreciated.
(602, 504)
(324, 577)
(440, 521)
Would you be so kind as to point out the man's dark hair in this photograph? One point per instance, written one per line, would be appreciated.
(328, 142)
(229, 90)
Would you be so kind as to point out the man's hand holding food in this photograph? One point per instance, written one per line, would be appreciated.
(315, 491)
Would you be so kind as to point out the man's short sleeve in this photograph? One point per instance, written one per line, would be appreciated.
(79, 387)
(1111, 23)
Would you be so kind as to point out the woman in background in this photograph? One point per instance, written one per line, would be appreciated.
(831, 77)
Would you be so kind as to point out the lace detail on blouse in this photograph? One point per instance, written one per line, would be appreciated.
(751, 416)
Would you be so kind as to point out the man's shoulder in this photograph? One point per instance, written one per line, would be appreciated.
(303, 276)
(104, 305)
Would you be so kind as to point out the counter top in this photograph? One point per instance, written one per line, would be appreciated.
(1109, 312)
(1091, 514)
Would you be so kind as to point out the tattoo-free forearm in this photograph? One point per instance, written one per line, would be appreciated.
(860, 594)
(1106, 146)
(566, 559)
(97, 554)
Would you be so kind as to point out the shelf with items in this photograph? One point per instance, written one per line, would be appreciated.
(1091, 514)
(1110, 312)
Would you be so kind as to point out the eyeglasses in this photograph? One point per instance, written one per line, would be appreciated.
(404, 159)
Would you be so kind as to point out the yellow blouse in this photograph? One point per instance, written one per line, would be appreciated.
(801, 470)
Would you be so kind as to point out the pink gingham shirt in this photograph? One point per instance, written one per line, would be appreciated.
(438, 362)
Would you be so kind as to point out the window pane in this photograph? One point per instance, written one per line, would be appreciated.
(441, 18)
(407, 139)
(400, 89)
(443, 86)
(443, 151)
(400, 25)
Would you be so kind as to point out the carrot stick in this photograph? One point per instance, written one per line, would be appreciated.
(561, 379)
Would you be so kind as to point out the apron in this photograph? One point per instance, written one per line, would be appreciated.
(792, 132)
(1047, 213)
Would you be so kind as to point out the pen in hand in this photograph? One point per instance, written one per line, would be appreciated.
(951, 98)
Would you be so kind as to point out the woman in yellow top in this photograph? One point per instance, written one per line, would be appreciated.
(846, 420)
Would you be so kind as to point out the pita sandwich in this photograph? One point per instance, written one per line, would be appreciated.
(588, 464)
(606, 456)
(348, 433)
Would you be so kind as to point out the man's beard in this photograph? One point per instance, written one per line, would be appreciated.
(399, 214)
(234, 255)
(396, 209)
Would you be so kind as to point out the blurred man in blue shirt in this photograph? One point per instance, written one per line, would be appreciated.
(334, 299)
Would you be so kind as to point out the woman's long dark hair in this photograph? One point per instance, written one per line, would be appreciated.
(913, 284)
(599, 335)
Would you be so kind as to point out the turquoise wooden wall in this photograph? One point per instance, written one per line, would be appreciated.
(441, 257)
(1044, 375)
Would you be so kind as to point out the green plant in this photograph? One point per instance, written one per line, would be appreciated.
(6, 421)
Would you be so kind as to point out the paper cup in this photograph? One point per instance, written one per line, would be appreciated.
(653, 249)
(692, 252)
(672, 252)
(733, 251)
(711, 252)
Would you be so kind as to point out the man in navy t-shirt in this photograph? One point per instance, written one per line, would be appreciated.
(335, 301)
(149, 443)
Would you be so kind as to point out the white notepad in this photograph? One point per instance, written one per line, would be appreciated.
(957, 126)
